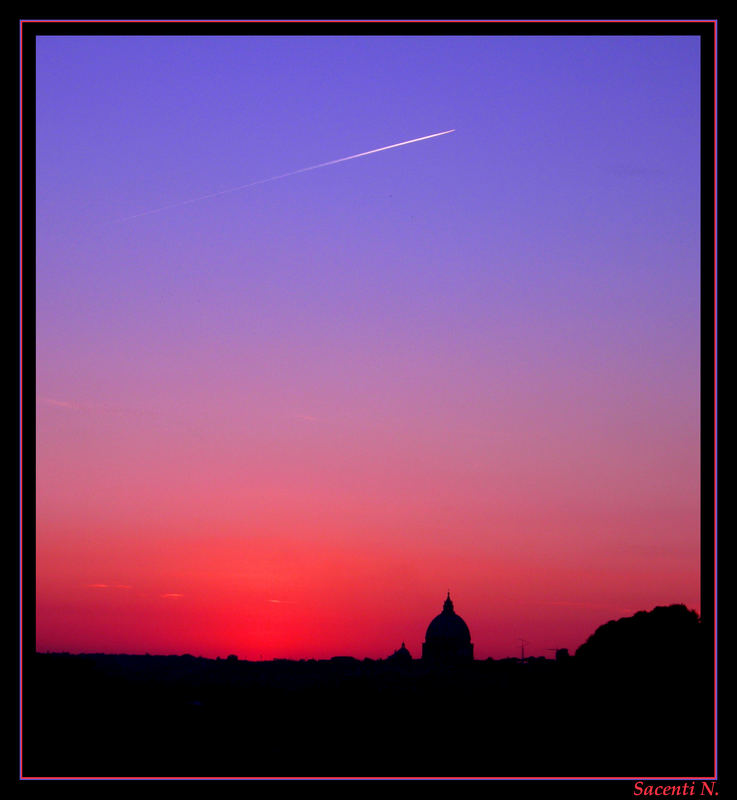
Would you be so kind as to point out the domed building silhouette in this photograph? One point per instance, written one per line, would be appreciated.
(401, 656)
(448, 640)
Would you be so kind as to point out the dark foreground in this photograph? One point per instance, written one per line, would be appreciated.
(180, 716)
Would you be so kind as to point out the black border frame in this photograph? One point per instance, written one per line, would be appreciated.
(706, 30)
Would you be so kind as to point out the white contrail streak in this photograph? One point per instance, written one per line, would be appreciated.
(285, 175)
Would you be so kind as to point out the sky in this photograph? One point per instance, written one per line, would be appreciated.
(284, 421)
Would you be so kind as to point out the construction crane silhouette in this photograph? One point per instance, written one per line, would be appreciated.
(524, 642)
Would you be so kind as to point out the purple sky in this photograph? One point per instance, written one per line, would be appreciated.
(478, 353)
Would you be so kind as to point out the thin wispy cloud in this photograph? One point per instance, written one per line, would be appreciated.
(98, 408)
(637, 171)
(593, 606)
(305, 417)
(108, 586)
(51, 401)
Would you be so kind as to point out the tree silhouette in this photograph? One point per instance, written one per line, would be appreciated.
(667, 636)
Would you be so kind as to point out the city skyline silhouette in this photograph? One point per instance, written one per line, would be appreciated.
(368, 375)
(540, 716)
